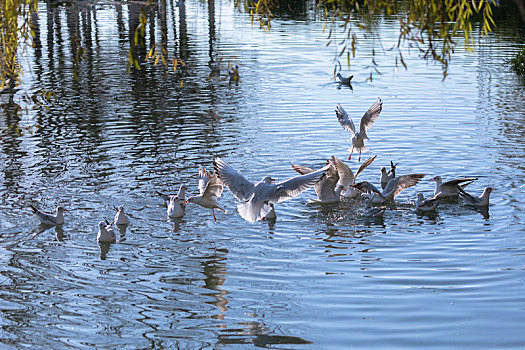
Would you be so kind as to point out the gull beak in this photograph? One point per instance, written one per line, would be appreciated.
(272, 180)
(186, 202)
(432, 179)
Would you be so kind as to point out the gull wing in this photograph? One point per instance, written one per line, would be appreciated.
(204, 178)
(325, 187)
(296, 185)
(213, 187)
(398, 184)
(301, 169)
(369, 118)
(345, 121)
(470, 198)
(365, 165)
(241, 188)
(346, 175)
(367, 187)
(453, 184)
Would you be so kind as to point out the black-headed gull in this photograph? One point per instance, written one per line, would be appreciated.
(426, 205)
(388, 175)
(175, 209)
(373, 211)
(344, 80)
(367, 120)
(121, 218)
(210, 188)
(105, 233)
(48, 218)
(392, 189)
(347, 177)
(271, 214)
(255, 198)
(481, 201)
(327, 188)
(451, 188)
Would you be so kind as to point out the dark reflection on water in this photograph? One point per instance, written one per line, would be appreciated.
(320, 276)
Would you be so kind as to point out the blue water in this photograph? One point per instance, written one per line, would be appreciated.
(320, 277)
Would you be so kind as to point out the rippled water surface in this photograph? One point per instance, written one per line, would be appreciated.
(320, 276)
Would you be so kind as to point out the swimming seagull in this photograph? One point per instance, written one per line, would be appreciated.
(392, 189)
(426, 205)
(373, 211)
(256, 198)
(347, 177)
(175, 209)
(344, 80)
(48, 218)
(271, 214)
(482, 201)
(451, 188)
(210, 188)
(367, 120)
(327, 188)
(121, 218)
(105, 233)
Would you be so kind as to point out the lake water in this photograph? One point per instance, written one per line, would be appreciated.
(320, 277)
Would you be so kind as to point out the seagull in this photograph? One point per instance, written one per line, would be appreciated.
(367, 120)
(388, 175)
(121, 218)
(426, 205)
(271, 214)
(451, 188)
(344, 80)
(256, 198)
(175, 209)
(48, 218)
(327, 188)
(105, 233)
(210, 188)
(482, 201)
(347, 177)
(392, 189)
(373, 211)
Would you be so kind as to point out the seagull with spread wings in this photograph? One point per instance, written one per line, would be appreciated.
(347, 177)
(256, 198)
(210, 188)
(392, 189)
(367, 120)
(451, 188)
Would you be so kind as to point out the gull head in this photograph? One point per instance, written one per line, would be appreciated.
(60, 209)
(101, 225)
(383, 170)
(435, 178)
(490, 189)
(267, 180)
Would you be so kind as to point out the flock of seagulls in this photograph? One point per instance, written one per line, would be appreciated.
(334, 182)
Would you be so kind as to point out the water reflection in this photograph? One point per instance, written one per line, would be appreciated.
(114, 137)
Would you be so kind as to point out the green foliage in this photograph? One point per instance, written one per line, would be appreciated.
(431, 26)
(518, 63)
(13, 33)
